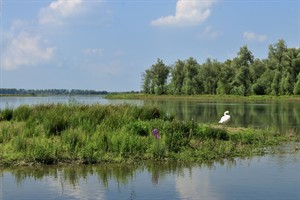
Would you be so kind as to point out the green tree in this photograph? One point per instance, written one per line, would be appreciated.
(242, 63)
(177, 77)
(263, 84)
(209, 73)
(226, 76)
(275, 86)
(257, 69)
(160, 74)
(278, 61)
(190, 85)
(297, 85)
(147, 82)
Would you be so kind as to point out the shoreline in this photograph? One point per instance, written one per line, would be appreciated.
(203, 97)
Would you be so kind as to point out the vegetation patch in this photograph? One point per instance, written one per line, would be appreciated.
(55, 133)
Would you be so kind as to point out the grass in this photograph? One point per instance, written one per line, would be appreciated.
(60, 133)
(204, 97)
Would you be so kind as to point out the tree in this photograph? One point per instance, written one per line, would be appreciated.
(190, 77)
(209, 73)
(257, 69)
(226, 77)
(275, 87)
(177, 74)
(147, 82)
(159, 74)
(297, 85)
(242, 63)
(263, 85)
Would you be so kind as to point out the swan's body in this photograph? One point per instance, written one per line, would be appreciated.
(225, 119)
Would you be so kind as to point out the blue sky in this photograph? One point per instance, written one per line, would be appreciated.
(108, 44)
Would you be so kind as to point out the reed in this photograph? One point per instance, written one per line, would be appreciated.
(55, 133)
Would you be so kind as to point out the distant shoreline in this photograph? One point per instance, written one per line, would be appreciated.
(201, 97)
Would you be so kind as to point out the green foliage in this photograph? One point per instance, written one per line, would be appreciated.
(138, 127)
(22, 113)
(6, 114)
(297, 86)
(155, 79)
(243, 75)
(97, 133)
(207, 132)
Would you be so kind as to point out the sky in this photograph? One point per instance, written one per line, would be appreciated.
(106, 45)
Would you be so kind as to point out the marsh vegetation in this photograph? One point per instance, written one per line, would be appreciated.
(74, 133)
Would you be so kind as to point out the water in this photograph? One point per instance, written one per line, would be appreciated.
(274, 176)
(262, 178)
(280, 116)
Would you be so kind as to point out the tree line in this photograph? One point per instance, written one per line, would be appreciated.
(14, 91)
(279, 74)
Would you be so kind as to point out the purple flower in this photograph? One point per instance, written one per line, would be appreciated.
(156, 133)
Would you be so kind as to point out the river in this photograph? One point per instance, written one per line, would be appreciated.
(281, 116)
(273, 176)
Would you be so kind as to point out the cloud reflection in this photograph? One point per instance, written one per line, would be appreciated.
(195, 183)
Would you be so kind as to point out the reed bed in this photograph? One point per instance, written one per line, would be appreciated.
(74, 133)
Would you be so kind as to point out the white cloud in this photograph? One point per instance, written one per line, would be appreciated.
(25, 44)
(209, 33)
(25, 49)
(188, 13)
(93, 51)
(59, 10)
(251, 36)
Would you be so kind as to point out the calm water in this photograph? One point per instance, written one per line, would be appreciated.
(280, 116)
(274, 177)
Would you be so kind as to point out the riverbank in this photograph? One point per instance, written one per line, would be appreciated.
(81, 134)
(202, 97)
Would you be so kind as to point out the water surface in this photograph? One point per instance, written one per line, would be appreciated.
(269, 177)
(281, 116)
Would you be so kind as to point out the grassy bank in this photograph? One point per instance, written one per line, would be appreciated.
(51, 134)
(202, 97)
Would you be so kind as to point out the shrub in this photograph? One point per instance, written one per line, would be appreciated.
(6, 114)
(22, 113)
(146, 113)
(207, 132)
(158, 149)
(138, 128)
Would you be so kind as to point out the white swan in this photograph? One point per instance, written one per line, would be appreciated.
(225, 119)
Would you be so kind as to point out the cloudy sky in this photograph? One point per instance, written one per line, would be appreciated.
(108, 44)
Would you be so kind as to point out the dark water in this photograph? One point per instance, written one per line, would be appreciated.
(280, 116)
(259, 178)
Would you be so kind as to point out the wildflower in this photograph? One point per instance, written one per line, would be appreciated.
(156, 133)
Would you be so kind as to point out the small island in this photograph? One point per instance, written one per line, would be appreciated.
(92, 134)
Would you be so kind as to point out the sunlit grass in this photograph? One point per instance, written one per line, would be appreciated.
(55, 133)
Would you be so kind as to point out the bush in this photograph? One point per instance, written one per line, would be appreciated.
(6, 114)
(138, 128)
(212, 133)
(22, 113)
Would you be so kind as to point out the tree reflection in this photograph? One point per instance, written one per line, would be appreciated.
(280, 116)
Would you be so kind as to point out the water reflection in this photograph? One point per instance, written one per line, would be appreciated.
(270, 177)
(280, 116)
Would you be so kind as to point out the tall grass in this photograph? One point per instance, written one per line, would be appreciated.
(56, 133)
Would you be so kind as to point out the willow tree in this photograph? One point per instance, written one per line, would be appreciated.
(155, 78)
(190, 85)
(296, 89)
(209, 73)
(177, 77)
(277, 61)
(242, 63)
